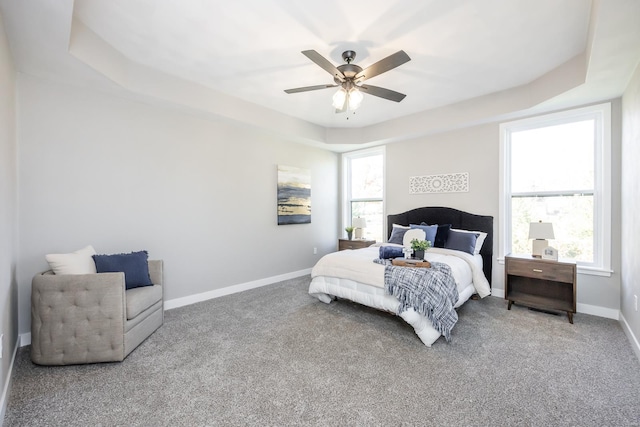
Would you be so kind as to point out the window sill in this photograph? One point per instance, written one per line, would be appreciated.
(589, 271)
(594, 271)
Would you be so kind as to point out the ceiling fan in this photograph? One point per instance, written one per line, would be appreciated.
(349, 78)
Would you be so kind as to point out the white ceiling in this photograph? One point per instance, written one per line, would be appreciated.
(251, 49)
(460, 49)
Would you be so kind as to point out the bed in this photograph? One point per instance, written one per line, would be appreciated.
(353, 275)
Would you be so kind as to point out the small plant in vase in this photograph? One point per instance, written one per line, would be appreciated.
(419, 247)
(349, 231)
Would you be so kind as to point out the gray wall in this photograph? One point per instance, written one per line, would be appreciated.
(631, 204)
(122, 175)
(8, 224)
(476, 150)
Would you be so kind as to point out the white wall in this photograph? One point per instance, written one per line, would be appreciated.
(631, 205)
(122, 175)
(476, 150)
(8, 224)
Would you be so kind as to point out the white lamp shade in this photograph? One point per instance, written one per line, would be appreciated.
(338, 98)
(355, 99)
(541, 230)
(359, 222)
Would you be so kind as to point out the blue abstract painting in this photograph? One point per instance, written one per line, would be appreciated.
(294, 195)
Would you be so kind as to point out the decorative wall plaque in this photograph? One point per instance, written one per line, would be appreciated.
(445, 183)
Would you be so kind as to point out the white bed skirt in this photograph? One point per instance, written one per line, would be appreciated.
(325, 288)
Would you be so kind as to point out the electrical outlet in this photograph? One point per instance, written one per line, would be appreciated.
(635, 302)
(315, 251)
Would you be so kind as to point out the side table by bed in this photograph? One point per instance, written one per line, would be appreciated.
(354, 244)
(540, 283)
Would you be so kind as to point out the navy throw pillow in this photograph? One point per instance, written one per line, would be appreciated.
(441, 235)
(397, 234)
(134, 266)
(465, 242)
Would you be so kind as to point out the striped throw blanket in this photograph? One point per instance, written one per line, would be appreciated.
(431, 292)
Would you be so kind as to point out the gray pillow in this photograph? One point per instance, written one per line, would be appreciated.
(397, 234)
(465, 242)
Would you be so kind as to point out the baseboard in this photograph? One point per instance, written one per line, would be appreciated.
(25, 339)
(217, 293)
(633, 340)
(594, 310)
(498, 293)
(4, 399)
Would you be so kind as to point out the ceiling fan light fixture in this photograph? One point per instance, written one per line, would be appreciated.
(355, 99)
(348, 76)
(339, 98)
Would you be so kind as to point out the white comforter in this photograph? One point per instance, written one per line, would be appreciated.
(353, 275)
(358, 265)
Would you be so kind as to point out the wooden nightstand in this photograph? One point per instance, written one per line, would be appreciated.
(540, 283)
(354, 244)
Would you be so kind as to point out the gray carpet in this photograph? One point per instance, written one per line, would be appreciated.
(276, 356)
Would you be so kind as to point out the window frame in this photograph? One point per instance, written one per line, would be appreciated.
(347, 200)
(601, 114)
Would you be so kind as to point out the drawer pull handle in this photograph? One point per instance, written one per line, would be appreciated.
(537, 270)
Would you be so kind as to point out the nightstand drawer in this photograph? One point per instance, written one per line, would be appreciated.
(354, 244)
(541, 270)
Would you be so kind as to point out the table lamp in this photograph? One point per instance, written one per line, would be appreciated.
(358, 224)
(540, 232)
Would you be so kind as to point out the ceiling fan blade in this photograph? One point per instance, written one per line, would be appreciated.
(308, 88)
(324, 64)
(382, 66)
(381, 92)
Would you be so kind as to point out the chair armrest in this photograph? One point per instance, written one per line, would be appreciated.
(77, 318)
(155, 271)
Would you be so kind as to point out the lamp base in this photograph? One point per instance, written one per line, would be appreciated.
(358, 233)
(538, 247)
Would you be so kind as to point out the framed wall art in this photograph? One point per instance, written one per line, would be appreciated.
(294, 195)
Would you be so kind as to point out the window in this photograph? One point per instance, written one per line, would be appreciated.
(363, 190)
(556, 168)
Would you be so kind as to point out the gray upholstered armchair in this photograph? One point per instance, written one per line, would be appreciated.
(88, 318)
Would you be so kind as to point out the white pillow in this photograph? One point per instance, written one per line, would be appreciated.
(414, 233)
(78, 262)
(479, 240)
